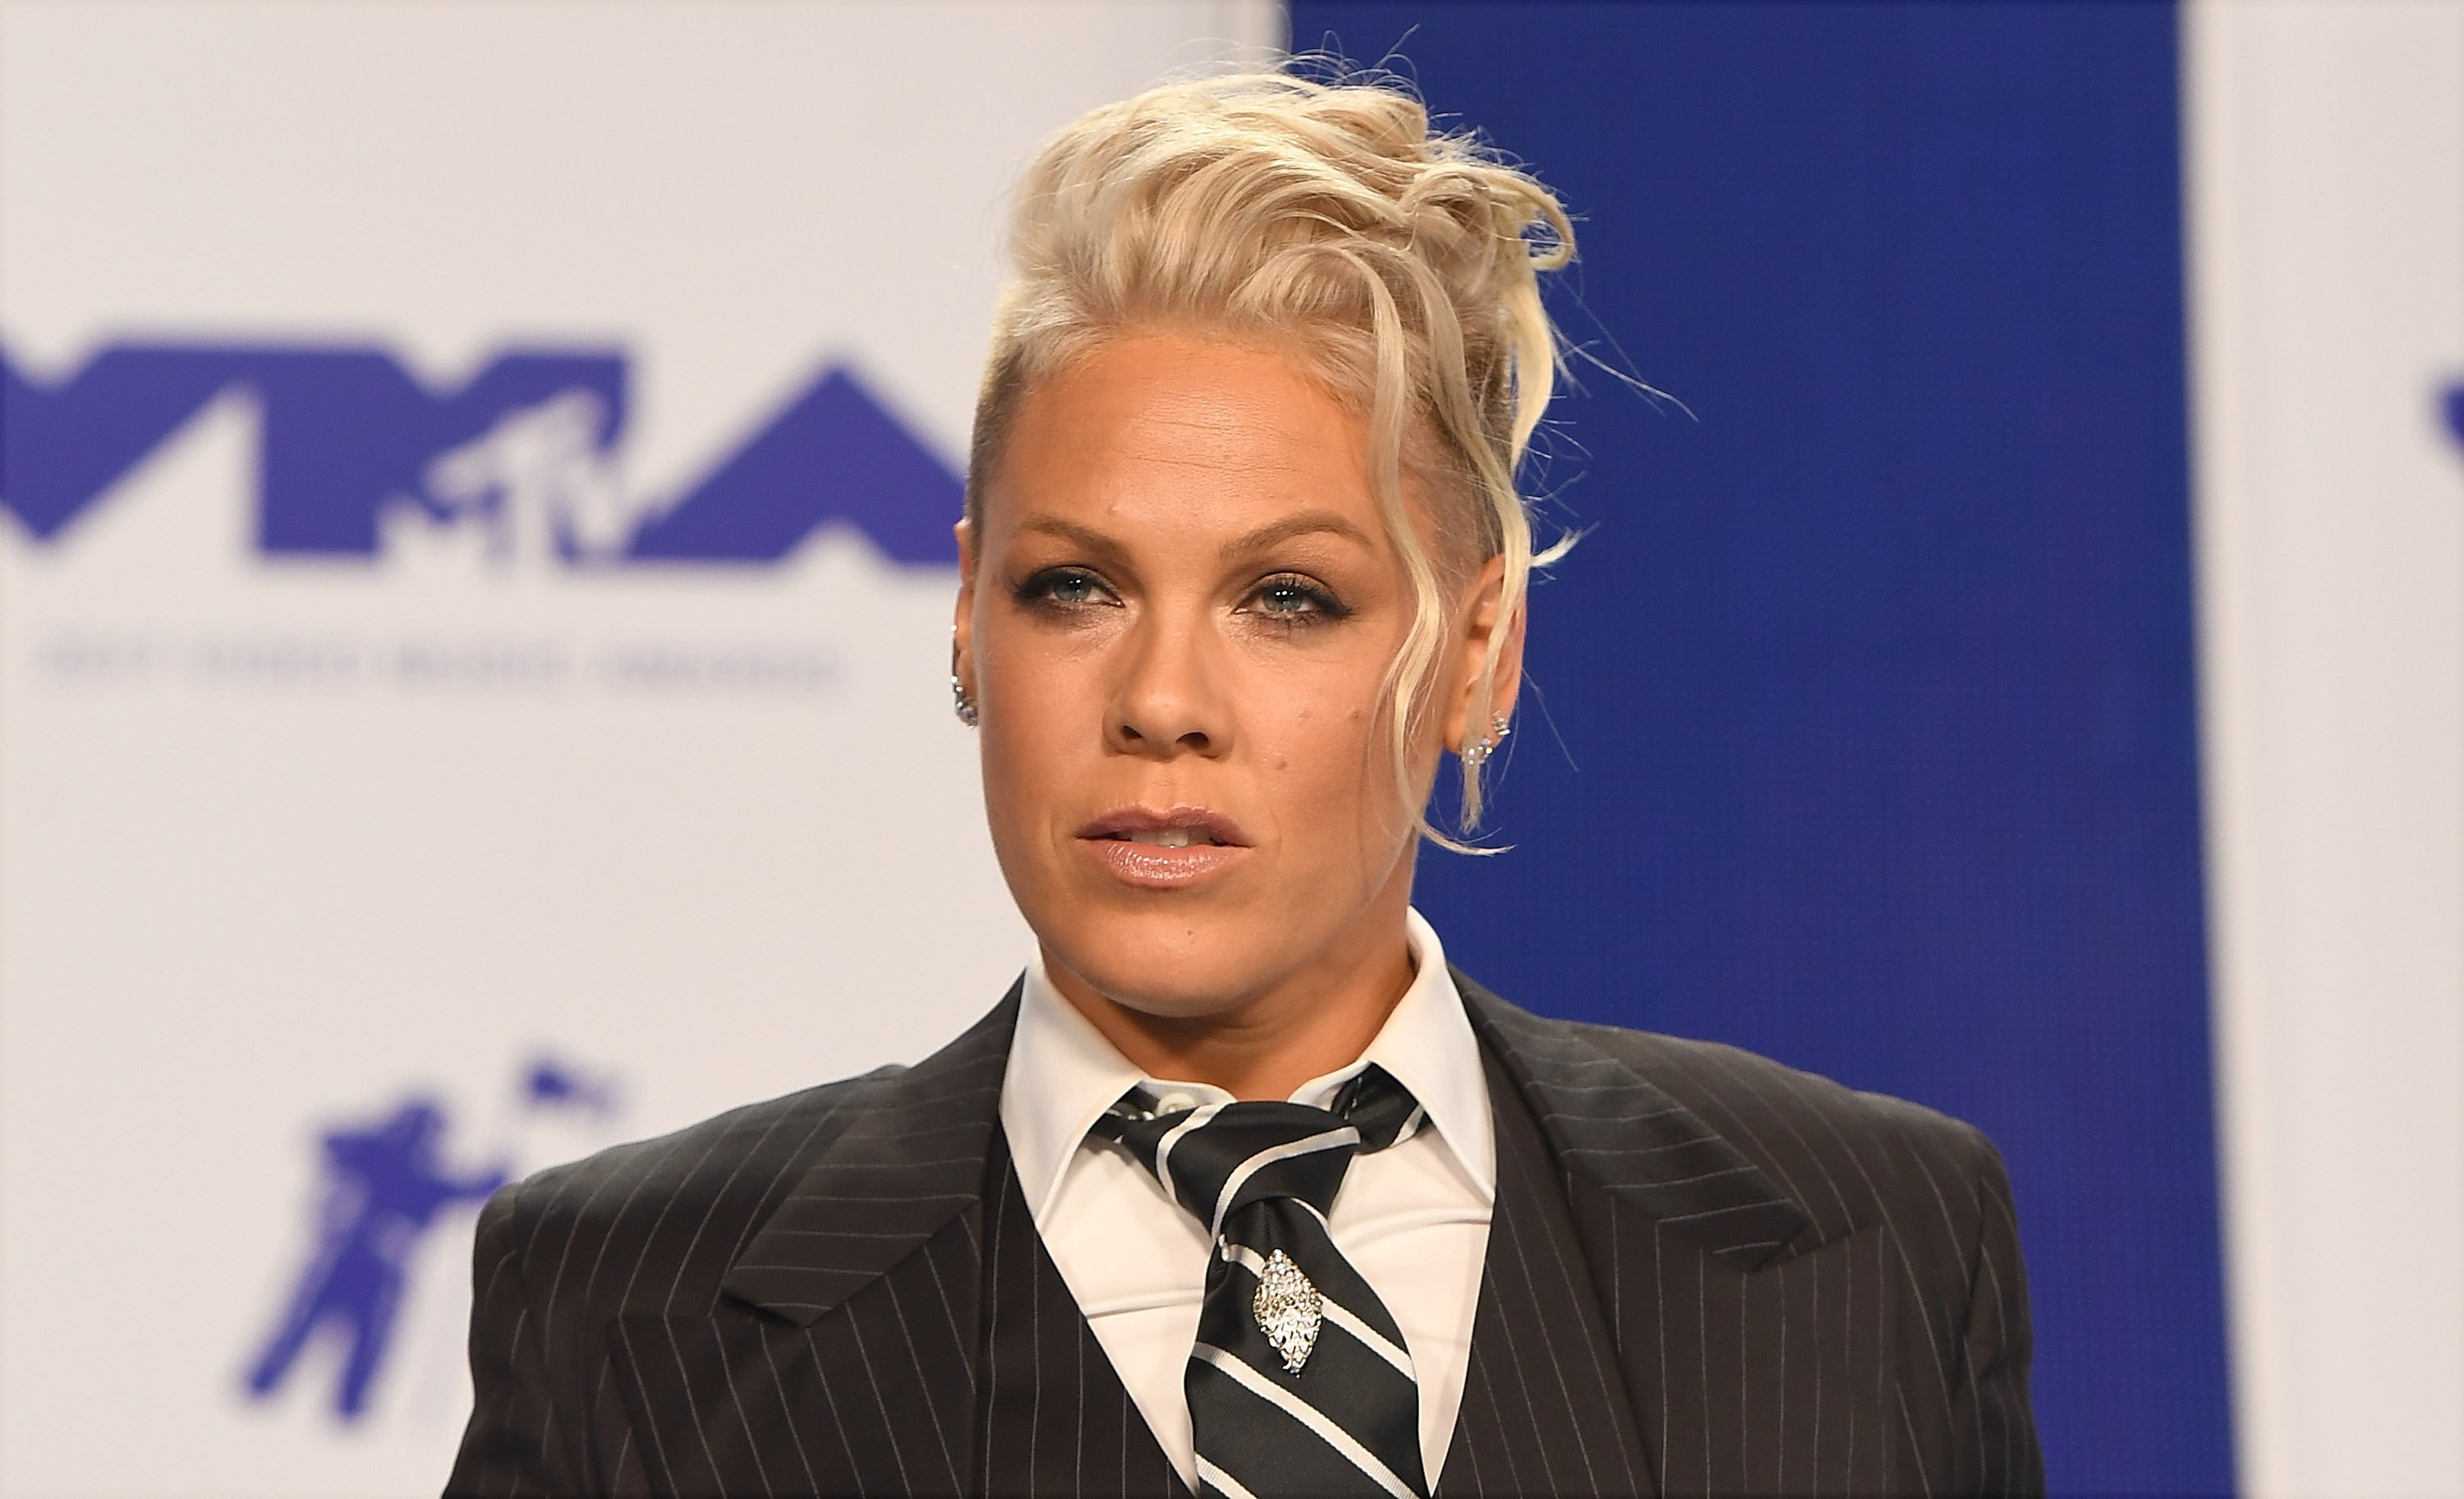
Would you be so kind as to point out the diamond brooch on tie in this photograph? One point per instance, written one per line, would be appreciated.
(1288, 1310)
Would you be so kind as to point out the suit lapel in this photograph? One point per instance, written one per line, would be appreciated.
(1054, 1417)
(1545, 1407)
(1755, 1353)
(841, 1358)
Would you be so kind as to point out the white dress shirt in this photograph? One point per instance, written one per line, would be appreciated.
(1412, 1220)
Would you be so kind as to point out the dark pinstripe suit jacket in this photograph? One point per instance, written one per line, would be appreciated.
(1808, 1289)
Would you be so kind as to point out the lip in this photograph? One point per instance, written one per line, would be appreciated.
(1149, 866)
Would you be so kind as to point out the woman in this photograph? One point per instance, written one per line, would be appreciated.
(1243, 1190)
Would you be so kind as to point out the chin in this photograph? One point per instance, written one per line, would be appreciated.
(1173, 963)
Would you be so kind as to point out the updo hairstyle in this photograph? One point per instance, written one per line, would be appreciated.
(1328, 221)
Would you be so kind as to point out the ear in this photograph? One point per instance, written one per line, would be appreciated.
(962, 619)
(1483, 620)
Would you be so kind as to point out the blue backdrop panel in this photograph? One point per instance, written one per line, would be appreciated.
(1865, 735)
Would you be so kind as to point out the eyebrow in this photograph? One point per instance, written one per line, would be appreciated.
(1071, 532)
(1308, 522)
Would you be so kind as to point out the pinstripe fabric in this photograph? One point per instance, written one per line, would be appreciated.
(1055, 1418)
(1807, 1290)
(781, 1300)
(1811, 1290)
(1545, 1408)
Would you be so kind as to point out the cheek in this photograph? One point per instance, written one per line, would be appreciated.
(1030, 704)
(1027, 735)
(1325, 764)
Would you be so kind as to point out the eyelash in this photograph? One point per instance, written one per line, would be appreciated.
(1323, 608)
(1319, 607)
(1035, 591)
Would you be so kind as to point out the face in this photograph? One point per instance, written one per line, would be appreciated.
(1176, 618)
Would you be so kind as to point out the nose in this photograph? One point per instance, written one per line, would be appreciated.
(1170, 700)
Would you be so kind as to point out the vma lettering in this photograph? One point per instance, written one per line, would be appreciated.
(526, 450)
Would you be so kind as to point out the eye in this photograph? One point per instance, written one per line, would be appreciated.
(1287, 598)
(1064, 587)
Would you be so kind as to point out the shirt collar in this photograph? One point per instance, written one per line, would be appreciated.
(1063, 1075)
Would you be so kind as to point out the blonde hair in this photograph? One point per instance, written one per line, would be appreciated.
(1399, 262)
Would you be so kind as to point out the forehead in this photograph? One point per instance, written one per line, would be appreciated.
(1163, 434)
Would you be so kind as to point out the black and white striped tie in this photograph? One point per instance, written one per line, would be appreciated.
(1300, 1382)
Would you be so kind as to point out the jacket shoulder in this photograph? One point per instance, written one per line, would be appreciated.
(653, 1224)
(1849, 1159)
(1930, 1190)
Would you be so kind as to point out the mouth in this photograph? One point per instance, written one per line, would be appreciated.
(1180, 828)
(1169, 837)
(1166, 850)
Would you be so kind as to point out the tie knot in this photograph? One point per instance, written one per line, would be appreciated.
(1216, 1159)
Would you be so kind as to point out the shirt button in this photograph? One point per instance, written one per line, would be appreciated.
(1176, 1102)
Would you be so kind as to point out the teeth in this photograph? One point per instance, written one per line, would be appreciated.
(1166, 837)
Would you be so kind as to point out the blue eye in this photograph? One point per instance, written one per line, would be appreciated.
(1293, 600)
(1064, 587)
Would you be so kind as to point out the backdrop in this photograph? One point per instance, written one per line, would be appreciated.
(474, 600)
(1865, 730)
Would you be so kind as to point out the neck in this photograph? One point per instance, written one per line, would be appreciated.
(1264, 1045)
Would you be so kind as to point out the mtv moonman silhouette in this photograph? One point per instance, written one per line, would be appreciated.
(385, 1189)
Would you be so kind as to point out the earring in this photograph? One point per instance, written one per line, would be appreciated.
(1476, 754)
(960, 703)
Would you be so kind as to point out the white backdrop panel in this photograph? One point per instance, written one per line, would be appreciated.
(2327, 166)
(293, 843)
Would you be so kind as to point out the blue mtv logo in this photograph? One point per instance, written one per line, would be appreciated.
(526, 450)
(387, 1185)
